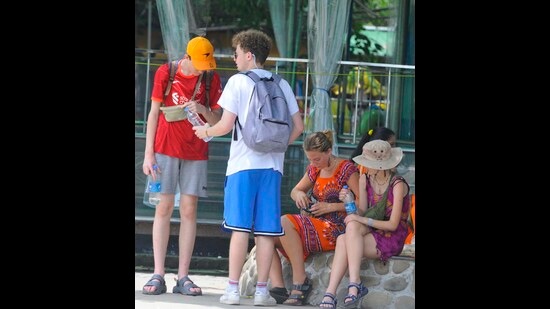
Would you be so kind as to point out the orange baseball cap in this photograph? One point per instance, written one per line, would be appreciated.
(201, 52)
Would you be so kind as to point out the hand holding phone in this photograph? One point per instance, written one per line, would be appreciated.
(308, 209)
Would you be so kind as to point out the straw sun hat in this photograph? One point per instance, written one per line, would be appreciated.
(379, 155)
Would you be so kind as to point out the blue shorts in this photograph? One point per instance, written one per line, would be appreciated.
(252, 202)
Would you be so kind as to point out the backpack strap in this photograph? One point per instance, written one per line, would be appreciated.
(255, 78)
(235, 131)
(197, 86)
(208, 81)
(252, 75)
(172, 68)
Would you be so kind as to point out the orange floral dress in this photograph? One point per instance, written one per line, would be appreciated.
(319, 234)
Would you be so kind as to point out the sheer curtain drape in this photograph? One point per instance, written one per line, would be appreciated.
(327, 29)
(279, 16)
(286, 18)
(175, 24)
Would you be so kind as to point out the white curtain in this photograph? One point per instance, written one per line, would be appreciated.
(174, 24)
(327, 29)
(279, 17)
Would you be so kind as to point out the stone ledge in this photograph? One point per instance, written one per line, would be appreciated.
(408, 252)
(391, 285)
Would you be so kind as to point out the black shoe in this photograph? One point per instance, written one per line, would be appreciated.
(280, 294)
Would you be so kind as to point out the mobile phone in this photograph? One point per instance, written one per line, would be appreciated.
(308, 210)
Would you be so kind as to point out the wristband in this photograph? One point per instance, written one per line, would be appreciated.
(206, 132)
(370, 221)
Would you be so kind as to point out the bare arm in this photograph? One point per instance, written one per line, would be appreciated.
(298, 127)
(363, 195)
(299, 192)
(222, 127)
(212, 116)
(353, 184)
(152, 122)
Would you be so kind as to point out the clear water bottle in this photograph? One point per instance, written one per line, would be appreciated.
(349, 202)
(153, 187)
(196, 120)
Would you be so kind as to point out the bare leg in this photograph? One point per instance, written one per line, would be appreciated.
(292, 244)
(355, 232)
(276, 270)
(359, 242)
(264, 256)
(238, 249)
(161, 233)
(339, 267)
(187, 234)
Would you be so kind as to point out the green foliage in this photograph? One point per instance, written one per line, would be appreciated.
(243, 14)
(140, 18)
(373, 13)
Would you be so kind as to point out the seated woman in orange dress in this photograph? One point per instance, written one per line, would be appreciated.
(321, 217)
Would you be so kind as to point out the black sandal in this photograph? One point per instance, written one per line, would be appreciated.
(299, 299)
(280, 294)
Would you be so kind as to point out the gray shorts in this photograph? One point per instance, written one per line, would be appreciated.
(190, 174)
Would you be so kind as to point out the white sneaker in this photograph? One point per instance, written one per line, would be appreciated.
(263, 299)
(231, 298)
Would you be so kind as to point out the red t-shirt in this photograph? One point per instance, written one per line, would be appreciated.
(177, 139)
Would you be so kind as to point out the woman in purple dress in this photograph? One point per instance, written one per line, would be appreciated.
(368, 237)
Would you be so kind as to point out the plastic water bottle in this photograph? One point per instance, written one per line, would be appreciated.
(349, 202)
(154, 186)
(196, 120)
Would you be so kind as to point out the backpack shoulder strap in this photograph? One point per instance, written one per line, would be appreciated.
(208, 78)
(197, 86)
(252, 75)
(276, 77)
(172, 68)
(256, 79)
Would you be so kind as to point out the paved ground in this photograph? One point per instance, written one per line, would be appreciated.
(212, 289)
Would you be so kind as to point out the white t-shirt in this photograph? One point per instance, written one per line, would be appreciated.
(235, 98)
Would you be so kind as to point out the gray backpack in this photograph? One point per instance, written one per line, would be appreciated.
(268, 125)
